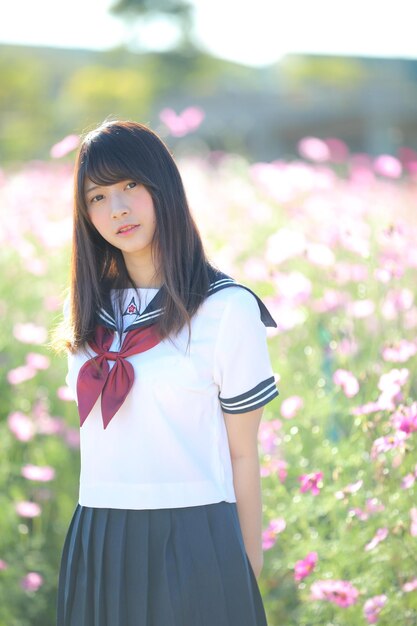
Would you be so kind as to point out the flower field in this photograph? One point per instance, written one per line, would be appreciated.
(329, 242)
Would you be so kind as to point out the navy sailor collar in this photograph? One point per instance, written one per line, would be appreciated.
(218, 280)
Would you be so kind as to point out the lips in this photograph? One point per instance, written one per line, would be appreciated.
(127, 228)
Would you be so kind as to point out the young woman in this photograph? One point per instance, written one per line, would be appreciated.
(169, 365)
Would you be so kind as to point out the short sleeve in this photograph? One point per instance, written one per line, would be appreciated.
(242, 367)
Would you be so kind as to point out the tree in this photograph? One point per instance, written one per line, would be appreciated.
(145, 12)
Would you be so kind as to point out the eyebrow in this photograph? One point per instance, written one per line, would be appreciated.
(91, 188)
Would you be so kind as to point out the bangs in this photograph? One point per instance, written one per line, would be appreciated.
(106, 162)
(106, 167)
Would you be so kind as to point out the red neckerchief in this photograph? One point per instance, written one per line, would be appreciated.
(95, 376)
(140, 336)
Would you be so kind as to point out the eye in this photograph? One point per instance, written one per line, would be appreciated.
(94, 198)
(132, 182)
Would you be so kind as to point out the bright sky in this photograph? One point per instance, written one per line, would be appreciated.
(253, 32)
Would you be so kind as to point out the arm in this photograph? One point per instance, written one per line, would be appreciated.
(242, 432)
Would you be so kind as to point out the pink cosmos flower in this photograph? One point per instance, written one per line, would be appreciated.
(360, 309)
(28, 509)
(405, 418)
(410, 585)
(269, 535)
(311, 482)
(387, 273)
(293, 287)
(45, 423)
(52, 303)
(48, 425)
(268, 435)
(400, 351)
(183, 123)
(347, 381)
(332, 300)
(32, 581)
(396, 301)
(372, 608)
(354, 236)
(379, 536)
(390, 384)
(39, 407)
(20, 374)
(305, 566)
(387, 165)
(3, 565)
(37, 472)
(271, 178)
(30, 333)
(63, 147)
(71, 437)
(34, 266)
(389, 442)
(407, 155)
(290, 406)
(374, 506)
(391, 267)
(340, 592)
(357, 512)
(388, 399)
(319, 254)
(37, 361)
(284, 244)
(255, 268)
(409, 480)
(65, 393)
(352, 488)
(339, 151)
(366, 409)
(274, 466)
(346, 272)
(21, 426)
(314, 149)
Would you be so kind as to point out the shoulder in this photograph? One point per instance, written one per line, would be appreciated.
(230, 294)
(225, 307)
(225, 288)
(234, 304)
(237, 297)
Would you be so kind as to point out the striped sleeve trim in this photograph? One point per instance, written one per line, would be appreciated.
(251, 400)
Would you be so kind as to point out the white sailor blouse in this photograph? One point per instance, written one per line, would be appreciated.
(164, 443)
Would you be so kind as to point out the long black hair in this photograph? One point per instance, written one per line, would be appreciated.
(127, 150)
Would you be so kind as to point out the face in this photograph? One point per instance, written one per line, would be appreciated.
(126, 203)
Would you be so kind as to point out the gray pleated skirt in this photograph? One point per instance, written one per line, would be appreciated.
(182, 566)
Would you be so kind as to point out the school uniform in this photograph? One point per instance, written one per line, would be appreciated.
(155, 538)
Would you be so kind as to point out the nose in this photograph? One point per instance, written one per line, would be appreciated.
(117, 204)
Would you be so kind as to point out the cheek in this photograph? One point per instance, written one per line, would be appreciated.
(94, 216)
(148, 213)
(97, 221)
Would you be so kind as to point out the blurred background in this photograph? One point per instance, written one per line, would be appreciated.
(265, 74)
(294, 126)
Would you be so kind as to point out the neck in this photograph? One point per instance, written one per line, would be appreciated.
(143, 274)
